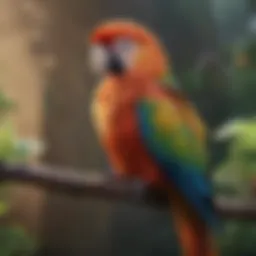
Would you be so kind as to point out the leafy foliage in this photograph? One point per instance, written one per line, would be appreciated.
(14, 241)
(243, 75)
(5, 104)
(239, 168)
(236, 176)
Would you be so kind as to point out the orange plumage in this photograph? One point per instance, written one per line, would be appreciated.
(150, 60)
(111, 101)
(114, 112)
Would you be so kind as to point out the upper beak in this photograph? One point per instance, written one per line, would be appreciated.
(115, 64)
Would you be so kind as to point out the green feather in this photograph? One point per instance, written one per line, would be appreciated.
(170, 134)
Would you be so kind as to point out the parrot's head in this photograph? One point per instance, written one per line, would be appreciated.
(121, 47)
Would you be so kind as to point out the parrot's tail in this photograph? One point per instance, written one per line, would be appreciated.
(195, 237)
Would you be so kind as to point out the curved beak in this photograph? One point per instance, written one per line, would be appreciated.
(114, 64)
(106, 60)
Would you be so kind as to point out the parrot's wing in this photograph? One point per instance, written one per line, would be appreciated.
(175, 143)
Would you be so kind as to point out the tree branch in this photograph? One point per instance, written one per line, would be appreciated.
(94, 184)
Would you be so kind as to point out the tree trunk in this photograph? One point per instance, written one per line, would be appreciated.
(72, 226)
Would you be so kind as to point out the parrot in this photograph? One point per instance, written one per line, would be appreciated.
(149, 129)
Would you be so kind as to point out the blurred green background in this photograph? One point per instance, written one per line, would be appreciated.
(45, 93)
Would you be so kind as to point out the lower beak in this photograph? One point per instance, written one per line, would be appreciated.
(115, 65)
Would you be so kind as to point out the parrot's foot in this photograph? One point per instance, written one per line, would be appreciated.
(126, 182)
(136, 189)
(127, 185)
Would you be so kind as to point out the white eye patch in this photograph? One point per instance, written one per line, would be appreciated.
(126, 50)
(123, 49)
(98, 58)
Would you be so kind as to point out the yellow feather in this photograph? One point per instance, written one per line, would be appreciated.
(102, 107)
(167, 116)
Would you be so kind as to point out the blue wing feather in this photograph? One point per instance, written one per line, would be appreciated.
(187, 176)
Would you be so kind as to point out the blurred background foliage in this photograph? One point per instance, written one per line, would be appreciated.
(14, 240)
(235, 176)
(234, 137)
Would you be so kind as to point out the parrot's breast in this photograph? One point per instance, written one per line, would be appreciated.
(115, 122)
(102, 109)
(125, 148)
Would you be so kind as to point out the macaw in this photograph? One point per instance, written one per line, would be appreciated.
(149, 129)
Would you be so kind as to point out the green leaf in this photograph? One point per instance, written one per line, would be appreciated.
(4, 208)
(239, 169)
(5, 105)
(14, 241)
(7, 140)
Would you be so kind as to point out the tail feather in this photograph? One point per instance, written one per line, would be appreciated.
(196, 238)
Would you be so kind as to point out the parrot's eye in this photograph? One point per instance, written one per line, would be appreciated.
(126, 50)
(123, 45)
(98, 58)
(115, 57)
